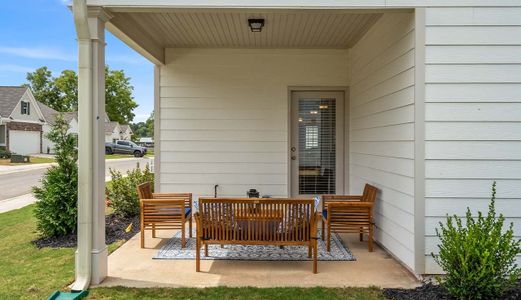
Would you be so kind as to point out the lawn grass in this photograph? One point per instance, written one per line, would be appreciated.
(25, 271)
(29, 273)
(249, 293)
(33, 159)
(118, 156)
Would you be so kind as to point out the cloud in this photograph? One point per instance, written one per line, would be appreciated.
(39, 52)
(15, 68)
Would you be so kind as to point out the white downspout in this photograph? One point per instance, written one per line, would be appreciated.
(85, 154)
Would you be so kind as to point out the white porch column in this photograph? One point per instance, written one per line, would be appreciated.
(91, 189)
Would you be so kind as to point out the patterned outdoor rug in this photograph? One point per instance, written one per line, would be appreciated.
(172, 250)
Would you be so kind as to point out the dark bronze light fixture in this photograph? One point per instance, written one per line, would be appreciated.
(256, 24)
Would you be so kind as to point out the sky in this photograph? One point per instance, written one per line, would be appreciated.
(36, 33)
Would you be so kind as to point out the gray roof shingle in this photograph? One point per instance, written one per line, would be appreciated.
(9, 98)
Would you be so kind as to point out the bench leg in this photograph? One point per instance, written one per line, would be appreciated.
(328, 239)
(309, 250)
(206, 250)
(361, 234)
(153, 230)
(183, 237)
(190, 226)
(315, 257)
(197, 255)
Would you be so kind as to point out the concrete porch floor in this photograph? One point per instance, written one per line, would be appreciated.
(132, 266)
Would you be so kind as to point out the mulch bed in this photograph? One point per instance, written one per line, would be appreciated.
(430, 291)
(114, 231)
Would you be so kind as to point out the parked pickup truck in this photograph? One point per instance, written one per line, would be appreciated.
(125, 147)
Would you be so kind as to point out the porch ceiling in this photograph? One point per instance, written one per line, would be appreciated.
(153, 29)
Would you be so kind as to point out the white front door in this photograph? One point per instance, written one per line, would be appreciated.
(24, 142)
(317, 143)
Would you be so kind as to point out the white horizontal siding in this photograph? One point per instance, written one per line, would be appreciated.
(382, 128)
(224, 115)
(473, 115)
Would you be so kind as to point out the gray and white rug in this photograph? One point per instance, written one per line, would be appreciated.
(172, 250)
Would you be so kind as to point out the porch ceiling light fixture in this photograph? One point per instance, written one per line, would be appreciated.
(256, 24)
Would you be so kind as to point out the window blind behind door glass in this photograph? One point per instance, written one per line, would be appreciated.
(317, 146)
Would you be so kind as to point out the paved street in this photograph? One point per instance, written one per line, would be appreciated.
(20, 183)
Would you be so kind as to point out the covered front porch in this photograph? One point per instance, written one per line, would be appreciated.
(317, 102)
(135, 267)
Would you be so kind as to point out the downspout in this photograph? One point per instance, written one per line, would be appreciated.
(85, 180)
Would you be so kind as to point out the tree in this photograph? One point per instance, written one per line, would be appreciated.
(119, 102)
(56, 209)
(150, 125)
(67, 84)
(61, 93)
(44, 88)
(144, 129)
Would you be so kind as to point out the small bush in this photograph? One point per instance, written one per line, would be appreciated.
(56, 209)
(478, 257)
(5, 154)
(122, 193)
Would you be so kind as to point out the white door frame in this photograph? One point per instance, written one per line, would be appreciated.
(343, 156)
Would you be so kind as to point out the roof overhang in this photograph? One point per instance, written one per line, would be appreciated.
(150, 27)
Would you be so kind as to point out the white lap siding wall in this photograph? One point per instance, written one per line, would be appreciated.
(224, 115)
(382, 128)
(473, 114)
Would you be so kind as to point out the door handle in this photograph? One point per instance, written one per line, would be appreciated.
(293, 157)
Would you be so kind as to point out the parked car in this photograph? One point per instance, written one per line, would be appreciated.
(125, 147)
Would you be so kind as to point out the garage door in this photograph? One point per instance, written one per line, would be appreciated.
(24, 142)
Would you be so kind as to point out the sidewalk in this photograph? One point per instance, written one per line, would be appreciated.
(22, 201)
(23, 168)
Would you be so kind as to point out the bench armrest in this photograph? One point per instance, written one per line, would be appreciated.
(351, 204)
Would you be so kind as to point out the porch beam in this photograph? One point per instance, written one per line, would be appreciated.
(323, 4)
(127, 30)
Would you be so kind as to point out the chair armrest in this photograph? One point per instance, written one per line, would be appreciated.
(162, 201)
(166, 195)
(340, 198)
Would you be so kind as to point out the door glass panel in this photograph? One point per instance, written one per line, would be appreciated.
(317, 146)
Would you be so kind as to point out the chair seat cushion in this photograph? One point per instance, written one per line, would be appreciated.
(187, 212)
(324, 213)
(170, 212)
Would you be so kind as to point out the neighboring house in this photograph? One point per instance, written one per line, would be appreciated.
(420, 98)
(112, 132)
(21, 121)
(126, 132)
(50, 117)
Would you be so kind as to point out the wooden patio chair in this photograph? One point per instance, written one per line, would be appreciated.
(349, 214)
(164, 211)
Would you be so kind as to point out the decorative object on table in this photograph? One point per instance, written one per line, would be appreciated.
(252, 193)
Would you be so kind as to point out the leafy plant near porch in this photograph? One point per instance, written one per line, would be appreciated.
(56, 210)
(122, 193)
(478, 257)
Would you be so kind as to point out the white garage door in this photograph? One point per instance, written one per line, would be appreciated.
(24, 142)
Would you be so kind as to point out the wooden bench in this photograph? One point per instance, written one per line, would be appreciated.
(164, 211)
(247, 221)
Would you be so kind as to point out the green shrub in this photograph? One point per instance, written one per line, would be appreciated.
(122, 193)
(478, 257)
(5, 154)
(56, 209)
